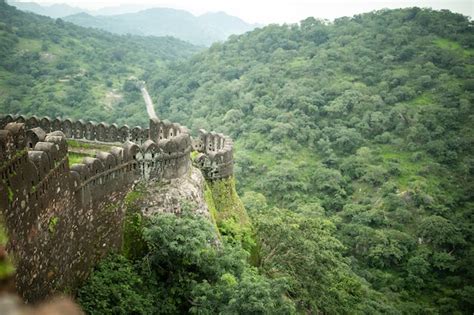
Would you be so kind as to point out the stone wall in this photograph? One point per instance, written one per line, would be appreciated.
(167, 153)
(81, 130)
(215, 158)
(163, 152)
(60, 220)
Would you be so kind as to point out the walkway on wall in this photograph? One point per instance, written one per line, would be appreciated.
(149, 103)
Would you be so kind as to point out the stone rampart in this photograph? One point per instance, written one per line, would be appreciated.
(60, 220)
(81, 130)
(215, 158)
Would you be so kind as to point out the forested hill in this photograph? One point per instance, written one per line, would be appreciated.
(354, 147)
(51, 67)
(365, 123)
(199, 30)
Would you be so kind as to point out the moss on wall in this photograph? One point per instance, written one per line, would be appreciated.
(229, 213)
(7, 269)
(133, 246)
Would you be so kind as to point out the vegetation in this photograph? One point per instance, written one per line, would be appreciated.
(362, 128)
(229, 213)
(186, 269)
(54, 68)
(198, 30)
(354, 160)
(7, 268)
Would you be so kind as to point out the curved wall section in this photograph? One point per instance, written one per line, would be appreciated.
(215, 158)
(60, 220)
(81, 130)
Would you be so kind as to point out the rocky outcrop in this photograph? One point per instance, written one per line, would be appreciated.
(172, 196)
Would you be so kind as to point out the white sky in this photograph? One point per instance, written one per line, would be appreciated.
(278, 11)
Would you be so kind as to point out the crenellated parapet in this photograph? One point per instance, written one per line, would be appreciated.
(82, 130)
(60, 219)
(166, 158)
(170, 144)
(215, 158)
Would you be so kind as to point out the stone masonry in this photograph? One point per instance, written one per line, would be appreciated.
(62, 219)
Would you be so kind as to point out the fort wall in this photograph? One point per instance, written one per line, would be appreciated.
(62, 219)
(215, 158)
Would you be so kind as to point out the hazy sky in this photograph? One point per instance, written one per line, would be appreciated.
(279, 11)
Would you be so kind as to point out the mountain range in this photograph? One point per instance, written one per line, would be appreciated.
(199, 30)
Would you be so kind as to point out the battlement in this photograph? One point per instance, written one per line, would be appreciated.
(81, 130)
(166, 158)
(62, 218)
(215, 158)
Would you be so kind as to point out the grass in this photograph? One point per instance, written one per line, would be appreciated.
(29, 44)
(422, 100)
(411, 168)
(452, 45)
(75, 158)
(74, 144)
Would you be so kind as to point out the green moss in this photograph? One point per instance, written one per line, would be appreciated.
(7, 267)
(212, 207)
(134, 245)
(228, 212)
(111, 208)
(132, 197)
(53, 222)
(10, 194)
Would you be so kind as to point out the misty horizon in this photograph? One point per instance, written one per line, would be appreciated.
(282, 11)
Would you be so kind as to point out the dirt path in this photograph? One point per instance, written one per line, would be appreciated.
(149, 103)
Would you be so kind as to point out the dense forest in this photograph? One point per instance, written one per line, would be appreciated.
(354, 151)
(361, 128)
(54, 68)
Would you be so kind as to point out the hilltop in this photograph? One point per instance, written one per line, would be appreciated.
(51, 67)
(365, 122)
(354, 159)
(199, 30)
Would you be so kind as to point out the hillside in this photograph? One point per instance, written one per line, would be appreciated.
(201, 30)
(365, 123)
(51, 67)
(53, 11)
(354, 159)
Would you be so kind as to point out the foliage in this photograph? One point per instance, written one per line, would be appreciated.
(353, 144)
(115, 287)
(186, 269)
(365, 122)
(229, 212)
(54, 68)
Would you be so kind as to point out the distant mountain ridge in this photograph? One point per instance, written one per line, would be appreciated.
(54, 10)
(199, 30)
